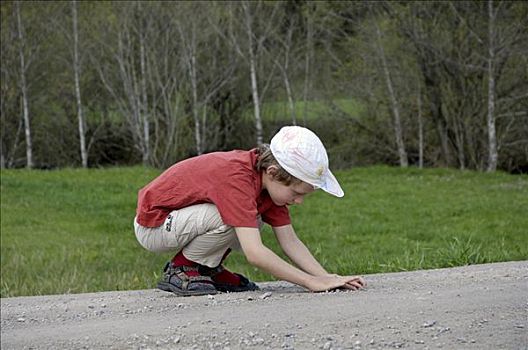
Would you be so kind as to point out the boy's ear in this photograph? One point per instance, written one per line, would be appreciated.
(272, 170)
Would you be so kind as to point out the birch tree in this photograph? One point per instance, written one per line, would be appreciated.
(127, 48)
(420, 127)
(189, 43)
(201, 58)
(393, 101)
(308, 58)
(499, 38)
(24, 65)
(247, 41)
(252, 57)
(286, 50)
(77, 73)
(492, 133)
(165, 86)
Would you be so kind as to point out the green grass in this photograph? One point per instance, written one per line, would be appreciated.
(70, 231)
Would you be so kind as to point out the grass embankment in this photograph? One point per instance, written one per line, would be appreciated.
(70, 231)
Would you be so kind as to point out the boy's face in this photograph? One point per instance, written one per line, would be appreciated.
(286, 195)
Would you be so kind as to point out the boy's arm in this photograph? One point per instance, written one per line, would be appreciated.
(295, 249)
(260, 256)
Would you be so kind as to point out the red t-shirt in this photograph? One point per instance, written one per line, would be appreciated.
(227, 179)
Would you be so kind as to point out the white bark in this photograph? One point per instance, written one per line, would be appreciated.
(285, 77)
(206, 76)
(253, 74)
(196, 114)
(492, 138)
(144, 102)
(420, 129)
(394, 104)
(307, 65)
(23, 87)
(131, 98)
(77, 73)
(191, 68)
(291, 101)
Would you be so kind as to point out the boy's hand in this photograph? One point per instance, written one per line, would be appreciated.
(357, 283)
(328, 282)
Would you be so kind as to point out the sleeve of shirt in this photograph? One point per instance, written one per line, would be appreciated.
(277, 216)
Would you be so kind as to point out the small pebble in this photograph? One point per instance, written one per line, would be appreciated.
(265, 295)
(429, 324)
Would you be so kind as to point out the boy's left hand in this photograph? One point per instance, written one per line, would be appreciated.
(355, 282)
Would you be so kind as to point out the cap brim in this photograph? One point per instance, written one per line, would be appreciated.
(332, 186)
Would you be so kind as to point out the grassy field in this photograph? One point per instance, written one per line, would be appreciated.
(70, 231)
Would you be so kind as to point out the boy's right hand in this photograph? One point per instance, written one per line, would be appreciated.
(328, 282)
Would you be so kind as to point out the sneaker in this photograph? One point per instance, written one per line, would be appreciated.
(185, 281)
(223, 279)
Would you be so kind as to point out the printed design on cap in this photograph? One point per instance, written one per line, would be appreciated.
(320, 171)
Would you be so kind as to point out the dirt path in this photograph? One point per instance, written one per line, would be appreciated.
(473, 307)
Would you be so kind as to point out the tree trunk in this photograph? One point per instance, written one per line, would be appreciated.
(77, 73)
(420, 129)
(194, 87)
(287, 85)
(307, 64)
(395, 111)
(23, 86)
(144, 102)
(256, 103)
(458, 131)
(492, 138)
(291, 102)
(253, 73)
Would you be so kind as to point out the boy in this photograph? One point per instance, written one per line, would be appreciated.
(202, 207)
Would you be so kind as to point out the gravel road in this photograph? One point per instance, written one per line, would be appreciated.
(471, 307)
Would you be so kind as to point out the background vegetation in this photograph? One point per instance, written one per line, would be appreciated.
(135, 86)
(122, 83)
(70, 230)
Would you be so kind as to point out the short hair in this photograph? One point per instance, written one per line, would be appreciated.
(266, 159)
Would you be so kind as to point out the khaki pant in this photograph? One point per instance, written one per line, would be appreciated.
(197, 229)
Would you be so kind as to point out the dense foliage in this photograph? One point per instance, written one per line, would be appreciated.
(432, 83)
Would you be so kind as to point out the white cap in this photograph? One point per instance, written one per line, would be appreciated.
(302, 154)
